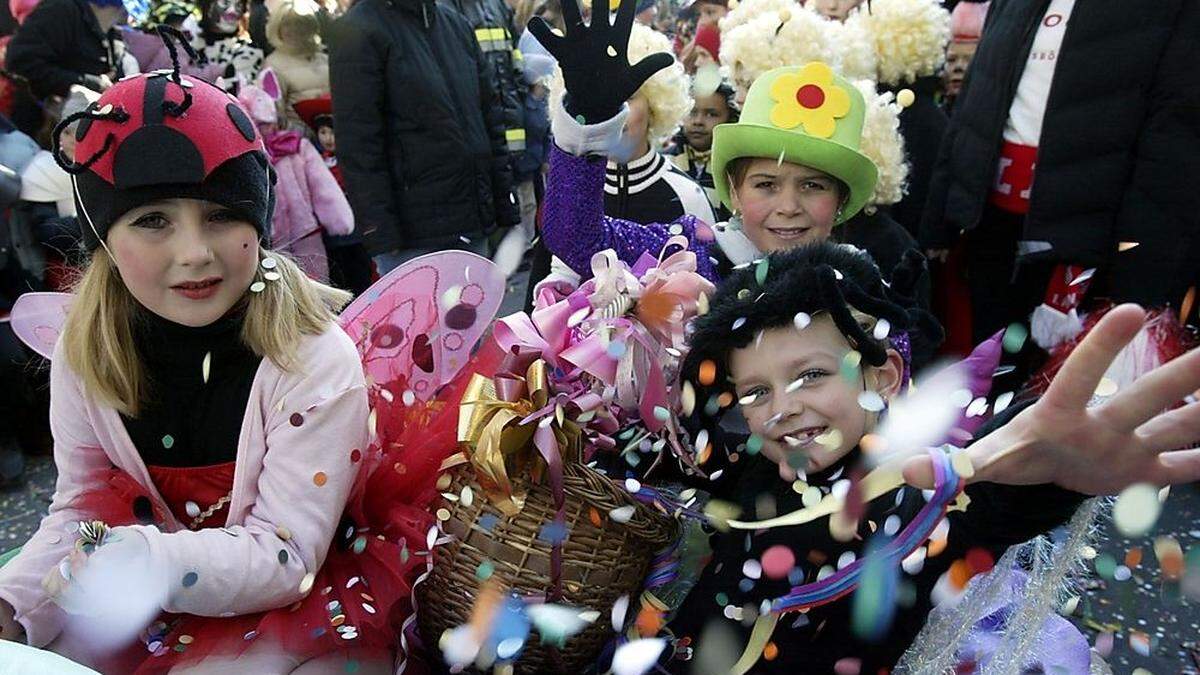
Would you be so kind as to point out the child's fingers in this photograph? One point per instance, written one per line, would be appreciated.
(1154, 392)
(1172, 430)
(1075, 383)
(1180, 466)
(918, 472)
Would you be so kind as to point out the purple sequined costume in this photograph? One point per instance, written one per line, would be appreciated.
(575, 228)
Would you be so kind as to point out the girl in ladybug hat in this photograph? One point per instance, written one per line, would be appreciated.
(210, 421)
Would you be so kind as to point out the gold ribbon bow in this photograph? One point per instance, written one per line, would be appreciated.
(498, 445)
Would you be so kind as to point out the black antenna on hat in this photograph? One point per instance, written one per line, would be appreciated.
(88, 114)
(170, 35)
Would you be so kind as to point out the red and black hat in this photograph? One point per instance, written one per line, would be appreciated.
(163, 135)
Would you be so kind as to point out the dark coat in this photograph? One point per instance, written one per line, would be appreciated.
(492, 21)
(420, 129)
(1119, 151)
(60, 44)
(922, 125)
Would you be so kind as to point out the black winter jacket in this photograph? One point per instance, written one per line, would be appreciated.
(420, 129)
(1119, 154)
(922, 125)
(493, 24)
(60, 44)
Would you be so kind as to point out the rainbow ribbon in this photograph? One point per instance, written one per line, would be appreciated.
(947, 485)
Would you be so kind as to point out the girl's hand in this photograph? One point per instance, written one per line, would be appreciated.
(58, 579)
(595, 67)
(9, 628)
(1102, 449)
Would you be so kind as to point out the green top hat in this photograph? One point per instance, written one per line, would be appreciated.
(802, 115)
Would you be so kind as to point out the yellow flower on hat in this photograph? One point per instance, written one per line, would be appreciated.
(810, 98)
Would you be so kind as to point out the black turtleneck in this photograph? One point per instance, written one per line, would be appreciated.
(184, 420)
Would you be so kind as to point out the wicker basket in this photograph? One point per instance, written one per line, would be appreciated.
(600, 563)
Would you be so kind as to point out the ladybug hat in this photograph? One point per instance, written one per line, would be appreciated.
(163, 135)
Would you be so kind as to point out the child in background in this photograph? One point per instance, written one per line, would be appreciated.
(694, 141)
(309, 200)
(966, 25)
(300, 65)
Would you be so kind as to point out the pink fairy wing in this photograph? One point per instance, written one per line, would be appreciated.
(38, 318)
(416, 327)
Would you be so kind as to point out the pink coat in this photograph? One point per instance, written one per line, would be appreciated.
(307, 200)
(273, 487)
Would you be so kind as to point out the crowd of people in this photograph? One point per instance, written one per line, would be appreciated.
(748, 227)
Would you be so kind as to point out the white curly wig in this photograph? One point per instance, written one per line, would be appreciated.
(748, 10)
(910, 38)
(883, 144)
(769, 41)
(858, 48)
(668, 92)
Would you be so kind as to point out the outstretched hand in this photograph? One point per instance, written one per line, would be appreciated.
(595, 66)
(1133, 437)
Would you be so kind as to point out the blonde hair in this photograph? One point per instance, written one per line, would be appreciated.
(790, 37)
(98, 336)
(883, 144)
(301, 17)
(748, 10)
(910, 38)
(668, 92)
(857, 46)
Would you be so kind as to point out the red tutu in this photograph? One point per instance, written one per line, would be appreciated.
(361, 596)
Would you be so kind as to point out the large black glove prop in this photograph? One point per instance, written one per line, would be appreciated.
(594, 61)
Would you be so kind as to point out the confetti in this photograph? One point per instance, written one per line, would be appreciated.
(619, 609)
(739, 322)
(190, 579)
(615, 350)
(621, 514)
(1170, 557)
(206, 366)
(556, 623)
(904, 97)
(1139, 642)
(1014, 337)
(850, 665)
(687, 398)
(708, 372)
(306, 583)
(192, 509)
(1126, 245)
(801, 321)
(637, 656)
(760, 271)
(1137, 509)
(752, 569)
(555, 533)
(882, 329)
(871, 401)
(319, 478)
(1002, 402)
(777, 561)
(1106, 388)
(485, 570)
(168, 441)
(467, 496)
(754, 444)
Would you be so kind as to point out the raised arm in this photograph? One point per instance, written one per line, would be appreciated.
(586, 124)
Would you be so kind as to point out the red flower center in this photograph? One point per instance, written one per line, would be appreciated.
(810, 96)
